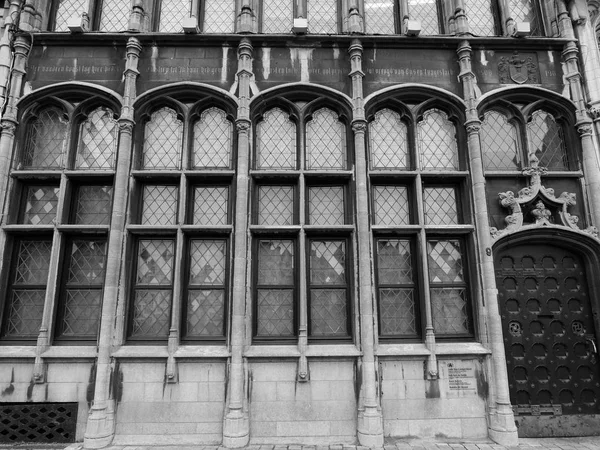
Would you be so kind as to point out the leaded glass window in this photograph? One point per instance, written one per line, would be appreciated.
(92, 205)
(325, 141)
(326, 205)
(27, 291)
(437, 142)
(425, 11)
(219, 16)
(276, 141)
(396, 288)
(81, 298)
(172, 13)
(500, 146)
(67, 9)
(380, 16)
(46, 141)
(322, 16)
(163, 139)
(153, 288)
(440, 205)
(390, 205)
(40, 205)
(275, 288)
(205, 304)
(115, 15)
(388, 141)
(212, 140)
(277, 16)
(97, 141)
(526, 11)
(159, 205)
(481, 15)
(211, 205)
(546, 141)
(275, 205)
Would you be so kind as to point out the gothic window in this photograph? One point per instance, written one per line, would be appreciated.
(420, 224)
(387, 16)
(278, 15)
(181, 224)
(63, 188)
(301, 225)
(218, 16)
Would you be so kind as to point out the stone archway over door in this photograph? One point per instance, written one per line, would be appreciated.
(550, 340)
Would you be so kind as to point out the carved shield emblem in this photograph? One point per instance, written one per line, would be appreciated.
(518, 70)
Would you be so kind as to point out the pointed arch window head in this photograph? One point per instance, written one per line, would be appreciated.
(388, 141)
(546, 141)
(500, 143)
(98, 138)
(46, 140)
(436, 142)
(325, 141)
(213, 134)
(163, 139)
(276, 141)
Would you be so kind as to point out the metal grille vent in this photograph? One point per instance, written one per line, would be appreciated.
(38, 422)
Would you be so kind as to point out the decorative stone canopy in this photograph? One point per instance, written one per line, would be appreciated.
(537, 206)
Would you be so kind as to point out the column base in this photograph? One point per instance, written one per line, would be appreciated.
(370, 428)
(100, 429)
(236, 429)
(502, 429)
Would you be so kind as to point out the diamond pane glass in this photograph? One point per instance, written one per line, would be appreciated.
(275, 312)
(67, 9)
(437, 141)
(390, 205)
(525, 11)
(322, 16)
(155, 262)
(425, 11)
(397, 312)
(394, 262)
(115, 15)
(439, 205)
(46, 140)
(82, 312)
(449, 309)
(546, 141)
(481, 17)
(499, 141)
(327, 263)
(276, 141)
(275, 205)
(25, 312)
(326, 205)
(172, 13)
(277, 16)
(379, 17)
(33, 263)
(219, 16)
(325, 141)
(40, 205)
(445, 261)
(328, 312)
(207, 262)
(97, 141)
(151, 313)
(163, 140)
(159, 205)
(87, 262)
(212, 140)
(211, 205)
(387, 141)
(93, 205)
(276, 262)
(205, 313)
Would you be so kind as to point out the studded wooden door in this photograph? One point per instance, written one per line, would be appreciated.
(550, 341)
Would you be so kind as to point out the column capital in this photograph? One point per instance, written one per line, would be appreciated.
(359, 126)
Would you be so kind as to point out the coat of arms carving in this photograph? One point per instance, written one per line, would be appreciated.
(518, 69)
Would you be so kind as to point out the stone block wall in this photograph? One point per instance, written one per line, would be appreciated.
(451, 407)
(319, 411)
(151, 411)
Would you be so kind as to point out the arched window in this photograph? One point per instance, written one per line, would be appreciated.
(46, 140)
(416, 185)
(213, 136)
(97, 141)
(300, 191)
(546, 142)
(499, 142)
(163, 139)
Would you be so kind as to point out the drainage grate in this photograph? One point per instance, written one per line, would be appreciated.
(38, 422)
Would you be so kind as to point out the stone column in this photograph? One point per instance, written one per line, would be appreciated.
(501, 419)
(370, 422)
(6, 35)
(101, 421)
(236, 426)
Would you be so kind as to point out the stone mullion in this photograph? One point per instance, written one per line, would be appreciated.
(236, 425)
(370, 422)
(506, 21)
(6, 35)
(101, 422)
(501, 426)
